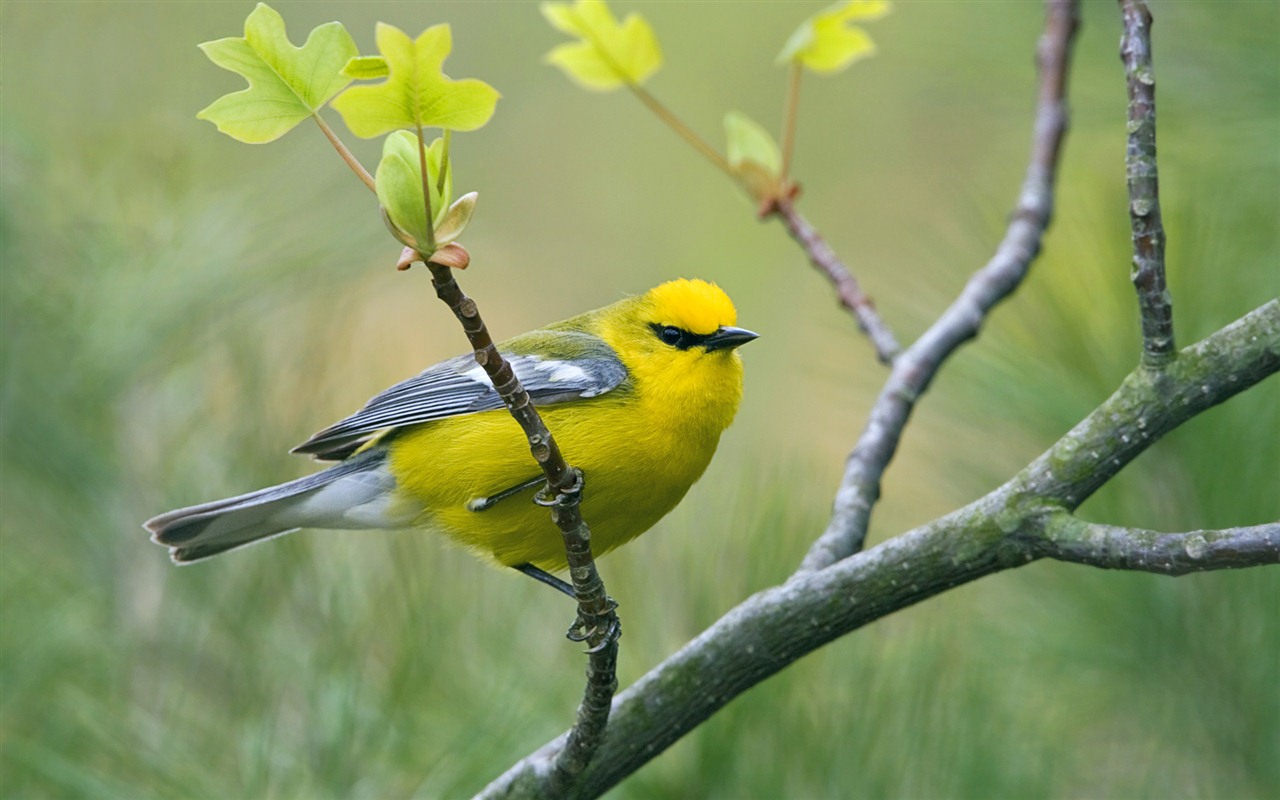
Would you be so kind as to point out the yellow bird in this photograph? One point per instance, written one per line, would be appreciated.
(636, 393)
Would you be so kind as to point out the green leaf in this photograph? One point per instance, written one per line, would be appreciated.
(753, 155)
(827, 42)
(366, 68)
(416, 94)
(750, 142)
(608, 54)
(455, 220)
(286, 84)
(399, 181)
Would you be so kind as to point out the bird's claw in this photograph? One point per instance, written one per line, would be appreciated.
(605, 627)
(550, 497)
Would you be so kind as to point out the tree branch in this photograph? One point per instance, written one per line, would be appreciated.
(597, 618)
(849, 293)
(1013, 525)
(1147, 274)
(838, 589)
(1068, 538)
(914, 370)
(1154, 403)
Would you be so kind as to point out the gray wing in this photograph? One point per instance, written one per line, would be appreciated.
(460, 386)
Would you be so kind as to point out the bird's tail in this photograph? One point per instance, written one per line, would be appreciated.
(357, 493)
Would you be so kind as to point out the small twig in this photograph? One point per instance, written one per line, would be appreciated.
(542, 444)
(914, 370)
(1147, 274)
(597, 622)
(850, 294)
(1110, 547)
(347, 155)
(820, 253)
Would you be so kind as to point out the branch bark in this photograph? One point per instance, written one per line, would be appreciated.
(1023, 520)
(1154, 302)
(914, 370)
(1068, 538)
(596, 611)
(850, 294)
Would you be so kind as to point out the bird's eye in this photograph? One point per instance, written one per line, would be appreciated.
(675, 337)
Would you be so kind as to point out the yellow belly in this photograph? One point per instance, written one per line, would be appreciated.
(637, 468)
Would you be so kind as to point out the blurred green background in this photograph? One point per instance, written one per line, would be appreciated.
(178, 309)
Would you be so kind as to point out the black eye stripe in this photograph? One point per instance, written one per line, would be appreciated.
(678, 338)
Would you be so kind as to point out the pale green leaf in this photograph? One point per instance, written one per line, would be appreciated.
(366, 68)
(286, 83)
(416, 93)
(753, 155)
(455, 220)
(399, 182)
(827, 42)
(579, 19)
(750, 142)
(608, 54)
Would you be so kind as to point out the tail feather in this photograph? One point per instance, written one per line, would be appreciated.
(199, 552)
(356, 493)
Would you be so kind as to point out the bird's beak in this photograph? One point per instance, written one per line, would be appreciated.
(727, 338)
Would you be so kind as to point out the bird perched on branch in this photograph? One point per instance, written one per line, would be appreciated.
(636, 394)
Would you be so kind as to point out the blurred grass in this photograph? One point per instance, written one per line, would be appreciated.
(178, 310)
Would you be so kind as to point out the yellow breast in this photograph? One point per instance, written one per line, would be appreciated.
(640, 448)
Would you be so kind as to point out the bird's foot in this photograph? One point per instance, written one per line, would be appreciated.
(601, 630)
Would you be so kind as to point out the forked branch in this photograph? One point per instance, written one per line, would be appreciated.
(838, 588)
(914, 370)
(1026, 519)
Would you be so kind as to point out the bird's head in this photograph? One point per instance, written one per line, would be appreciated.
(679, 340)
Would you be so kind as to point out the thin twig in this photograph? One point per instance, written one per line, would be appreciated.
(915, 368)
(820, 253)
(597, 618)
(347, 155)
(851, 296)
(1154, 301)
(1008, 528)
